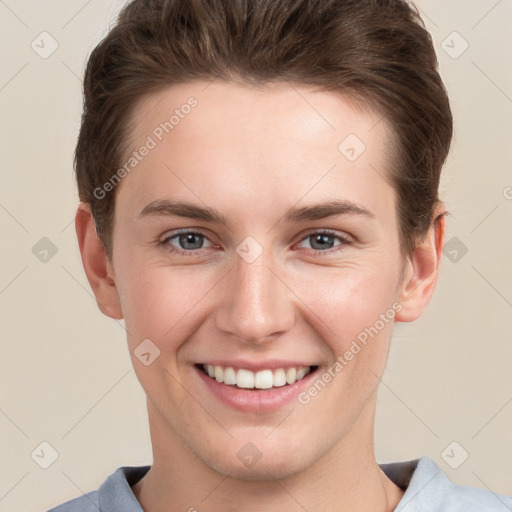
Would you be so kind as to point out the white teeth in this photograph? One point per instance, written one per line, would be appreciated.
(279, 377)
(219, 374)
(229, 376)
(244, 378)
(291, 375)
(301, 372)
(263, 379)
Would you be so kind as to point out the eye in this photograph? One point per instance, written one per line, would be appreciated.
(323, 242)
(188, 243)
(185, 242)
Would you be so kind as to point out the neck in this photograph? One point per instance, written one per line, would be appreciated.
(346, 478)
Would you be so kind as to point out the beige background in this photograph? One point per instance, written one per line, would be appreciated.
(65, 374)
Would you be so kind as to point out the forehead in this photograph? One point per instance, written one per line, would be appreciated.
(221, 108)
(279, 141)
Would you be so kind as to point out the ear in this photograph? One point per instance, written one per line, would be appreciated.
(422, 270)
(98, 268)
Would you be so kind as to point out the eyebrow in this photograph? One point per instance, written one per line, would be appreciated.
(165, 207)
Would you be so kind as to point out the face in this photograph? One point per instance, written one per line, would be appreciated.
(258, 234)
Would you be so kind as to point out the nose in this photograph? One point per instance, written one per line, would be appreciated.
(256, 305)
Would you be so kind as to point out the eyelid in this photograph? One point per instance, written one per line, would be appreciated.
(164, 240)
(344, 239)
(326, 231)
(183, 231)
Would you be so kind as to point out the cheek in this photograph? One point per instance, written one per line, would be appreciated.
(337, 305)
(159, 302)
(357, 312)
(349, 300)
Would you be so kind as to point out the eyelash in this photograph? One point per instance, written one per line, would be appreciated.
(182, 252)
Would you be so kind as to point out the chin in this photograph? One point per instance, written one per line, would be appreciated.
(263, 470)
(250, 464)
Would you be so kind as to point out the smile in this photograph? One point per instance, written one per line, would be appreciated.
(263, 379)
(264, 390)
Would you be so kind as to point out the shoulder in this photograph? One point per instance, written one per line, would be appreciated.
(428, 489)
(114, 494)
(87, 503)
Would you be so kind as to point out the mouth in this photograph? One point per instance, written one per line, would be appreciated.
(264, 379)
(266, 388)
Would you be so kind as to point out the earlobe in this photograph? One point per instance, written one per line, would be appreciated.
(422, 271)
(97, 266)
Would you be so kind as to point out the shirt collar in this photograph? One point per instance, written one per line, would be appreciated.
(412, 476)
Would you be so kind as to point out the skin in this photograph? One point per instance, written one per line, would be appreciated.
(253, 153)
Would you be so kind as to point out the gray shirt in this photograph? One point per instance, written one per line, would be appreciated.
(427, 489)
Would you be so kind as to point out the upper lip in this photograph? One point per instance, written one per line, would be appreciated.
(270, 364)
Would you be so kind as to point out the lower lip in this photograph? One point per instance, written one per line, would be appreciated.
(262, 400)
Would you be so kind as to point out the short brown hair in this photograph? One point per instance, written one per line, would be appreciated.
(376, 51)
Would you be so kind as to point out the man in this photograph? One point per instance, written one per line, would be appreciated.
(297, 147)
